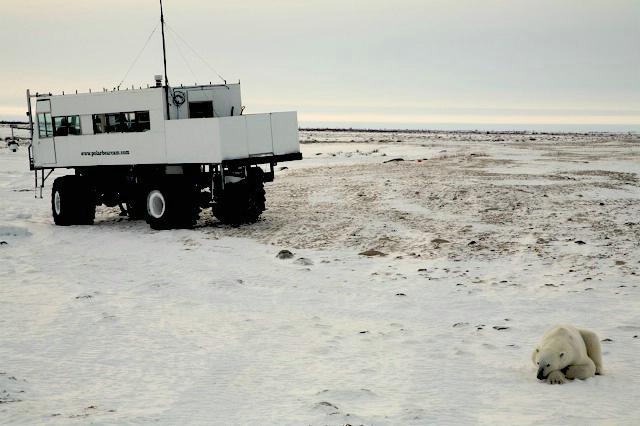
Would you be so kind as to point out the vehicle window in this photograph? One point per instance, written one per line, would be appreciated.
(73, 121)
(45, 128)
(99, 123)
(142, 122)
(65, 126)
(201, 109)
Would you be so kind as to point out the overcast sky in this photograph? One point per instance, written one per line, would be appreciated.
(346, 63)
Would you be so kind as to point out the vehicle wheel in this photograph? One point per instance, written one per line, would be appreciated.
(172, 205)
(61, 202)
(158, 204)
(241, 202)
(72, 201)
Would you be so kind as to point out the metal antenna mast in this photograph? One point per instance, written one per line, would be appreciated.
(164, 56)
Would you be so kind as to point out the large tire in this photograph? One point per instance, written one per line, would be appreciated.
(172, 204)
(62, 207)
(241, 202)
(158, 216)
(72, 201)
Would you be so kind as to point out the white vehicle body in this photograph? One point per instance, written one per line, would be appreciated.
(205, 126)
(163, 152)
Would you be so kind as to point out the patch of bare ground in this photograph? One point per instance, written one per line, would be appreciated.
(402, 207)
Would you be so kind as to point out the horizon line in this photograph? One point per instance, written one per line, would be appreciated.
(450, 127)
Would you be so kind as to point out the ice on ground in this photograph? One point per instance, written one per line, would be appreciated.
(487, 238)
(13, 231)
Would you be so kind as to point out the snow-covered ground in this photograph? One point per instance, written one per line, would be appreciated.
(485, 239)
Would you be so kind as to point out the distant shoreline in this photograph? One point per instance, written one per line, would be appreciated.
(9, 122)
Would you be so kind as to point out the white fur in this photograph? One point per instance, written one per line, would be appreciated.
(567, 351)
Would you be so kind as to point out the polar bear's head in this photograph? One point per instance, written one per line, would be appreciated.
(548, 360)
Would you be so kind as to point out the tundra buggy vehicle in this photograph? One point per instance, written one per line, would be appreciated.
(161, 153)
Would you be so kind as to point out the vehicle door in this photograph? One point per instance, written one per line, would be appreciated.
(44, 147)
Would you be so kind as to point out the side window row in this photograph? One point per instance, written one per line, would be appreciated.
(121, 122)
(102, 123)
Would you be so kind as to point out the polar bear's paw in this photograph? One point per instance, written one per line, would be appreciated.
(555, 378)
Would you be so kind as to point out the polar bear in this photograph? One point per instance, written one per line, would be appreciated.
(567, 351)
